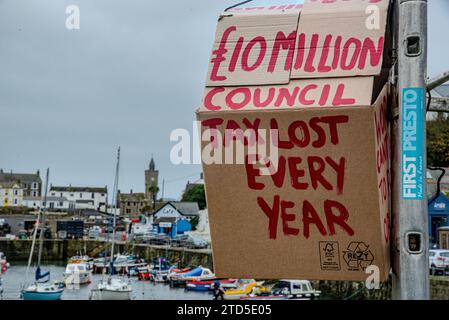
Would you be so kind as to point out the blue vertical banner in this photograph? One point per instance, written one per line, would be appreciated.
(413, 117)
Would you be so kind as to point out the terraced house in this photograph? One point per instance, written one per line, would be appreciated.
(93, 198)
(11, 194)
(31, 183)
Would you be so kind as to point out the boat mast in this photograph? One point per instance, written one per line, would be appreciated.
(33, 242)
(44, 205)
(36, 227)
(114, 203)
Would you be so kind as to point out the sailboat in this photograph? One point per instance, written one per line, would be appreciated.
(41, 289)
(113, 288)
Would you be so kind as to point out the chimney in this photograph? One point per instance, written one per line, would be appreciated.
(131, 191)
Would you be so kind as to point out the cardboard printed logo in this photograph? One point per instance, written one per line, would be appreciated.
(358, 256)
(329, 255)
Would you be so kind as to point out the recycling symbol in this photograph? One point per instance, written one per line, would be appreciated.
(358, 256)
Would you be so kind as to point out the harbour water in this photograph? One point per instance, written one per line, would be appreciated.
(142, 290)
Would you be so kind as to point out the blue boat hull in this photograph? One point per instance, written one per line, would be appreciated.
(199, 287)
(41, 296)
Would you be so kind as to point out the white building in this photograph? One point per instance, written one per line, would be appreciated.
(178, 210)
(82, 197)
(54, 203)
(11, 194)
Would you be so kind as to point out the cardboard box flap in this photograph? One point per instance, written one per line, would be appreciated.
(273, 8)
(298, 94)
(253, 47)
(271, 45)
(340, 38)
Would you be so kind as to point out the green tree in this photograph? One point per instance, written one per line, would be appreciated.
(194, 222)
(438, 143)
(196, 194)
(154, 190)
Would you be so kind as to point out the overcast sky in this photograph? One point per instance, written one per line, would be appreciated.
(133, 72)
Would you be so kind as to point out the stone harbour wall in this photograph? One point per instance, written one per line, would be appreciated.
(61, 250)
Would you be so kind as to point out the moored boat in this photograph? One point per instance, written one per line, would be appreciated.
(207, 285)
(112, 289)
(246, 286)
(82, 259)
(77, 273)
(197, 274)
(134, 271)
(160, 268)
(286, 290)
(40, 289)
(144, 276)
(43, 291)
(122, 264)
(4, 265)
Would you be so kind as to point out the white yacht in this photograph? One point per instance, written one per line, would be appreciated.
(112, 289)
(77, 273)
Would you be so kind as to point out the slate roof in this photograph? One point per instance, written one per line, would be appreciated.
(132, 197)
(187, 208)
(79, 189)
(19, 177)
(9, 184)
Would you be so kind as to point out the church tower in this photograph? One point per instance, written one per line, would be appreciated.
(151, 182)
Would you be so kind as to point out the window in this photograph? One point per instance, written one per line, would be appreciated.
(128, 204)
(34, 185)
(61, 204)
(15, 201)
(16, 192)
(61, 194)
(34, 194)
(93, 195)
(81, 195)
(53, 194)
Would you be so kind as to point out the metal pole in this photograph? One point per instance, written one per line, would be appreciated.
(411, 268)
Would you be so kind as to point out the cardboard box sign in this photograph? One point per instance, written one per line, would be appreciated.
(296, 164)
(323, 39)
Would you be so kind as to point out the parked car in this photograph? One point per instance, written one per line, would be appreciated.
(23, 235)
(94, 232)
(159, 239)
(5, 228)
(438, 261)
(179, 240)
(195, 242)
